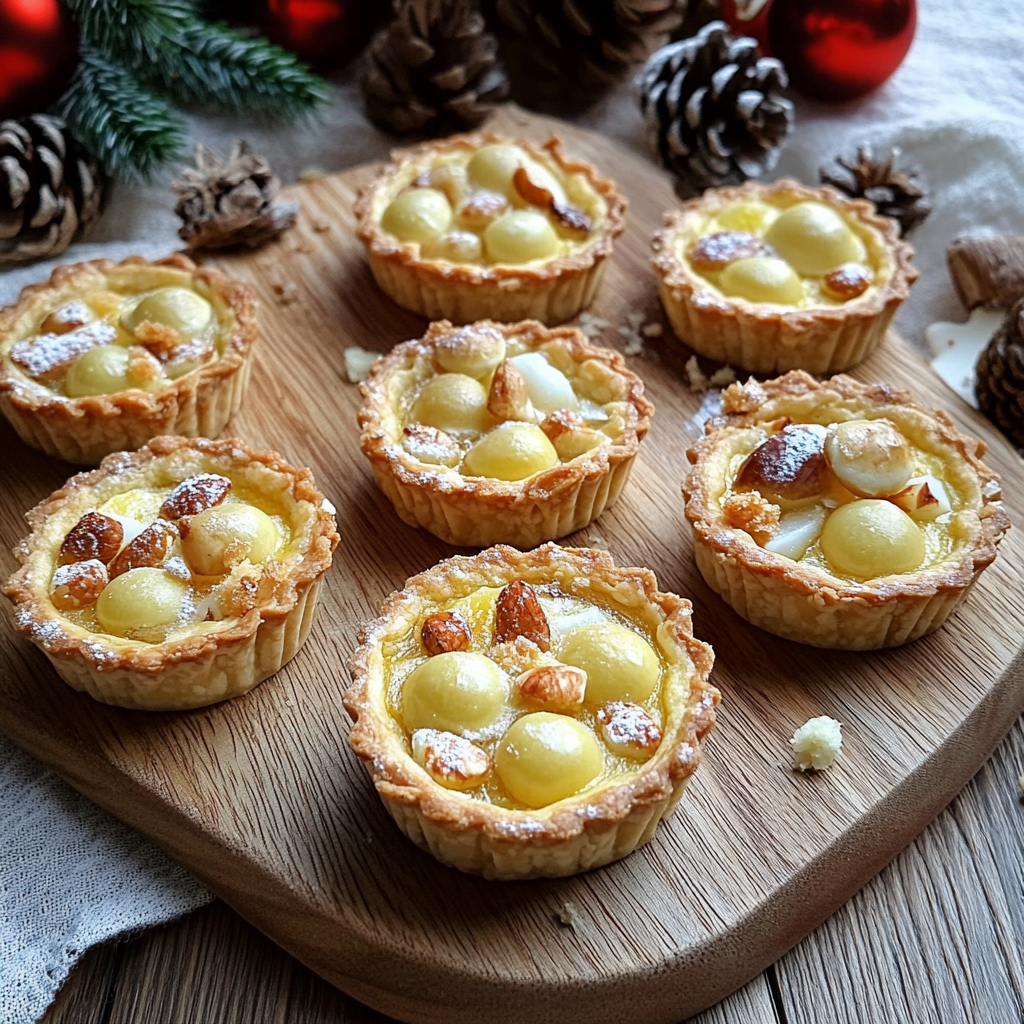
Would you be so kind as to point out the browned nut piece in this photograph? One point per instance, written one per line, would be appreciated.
(430, 445)
(93, 536)
(789, 467)
(47, 356)
(750, 512)
(235, 597)
(68, 317)
(717, 251)
(561, 422)
(508, 396)
(480, 209)
(628, 730)
(444, 632)
(78, 584)
(847, 281)
(194, 494)
(150, 548)
(160, 339)
(517, 612)
(554, 687)
(451, 761)
(573, 221)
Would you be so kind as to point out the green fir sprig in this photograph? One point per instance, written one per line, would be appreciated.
(139, 55)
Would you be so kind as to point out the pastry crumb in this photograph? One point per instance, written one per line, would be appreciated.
(699, 381)
(286, 291)
(596, 541)
(358, 362)
(593, 326)
(566, 915)
(816, 743)
(652, 330)
(750, 512)
(321, 224)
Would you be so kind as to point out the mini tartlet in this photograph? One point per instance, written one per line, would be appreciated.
(485, 226)
(779, 277)
(840, 514)
(530, 715)
(175, 576)
(104, 356)
(501, 433)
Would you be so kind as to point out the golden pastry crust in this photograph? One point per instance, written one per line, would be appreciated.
(551, 291)
(478, 510)
(211, 664)
(83, 430)
(599, 824)
(765, 337)
(804, 602)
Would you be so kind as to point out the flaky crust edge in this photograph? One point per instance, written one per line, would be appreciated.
(767, 339)
(484, 496)
(734, 550)
(35, 617)
(65, 416)
(520, 843)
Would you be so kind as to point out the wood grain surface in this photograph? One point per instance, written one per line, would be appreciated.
(262, 799)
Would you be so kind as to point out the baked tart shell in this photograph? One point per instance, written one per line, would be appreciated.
(193, 671)
(84, 430)
(480, 511)
(582, 832)
(801, 602)
(766, 338)
(553, 291)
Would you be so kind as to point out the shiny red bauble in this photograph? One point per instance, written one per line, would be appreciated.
(38, 55)
(840, 49)
(324, 33)
(749, 18)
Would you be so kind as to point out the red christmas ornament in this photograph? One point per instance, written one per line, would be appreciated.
(324, 33)
(749, 18)
(38, 54)
(840, 49)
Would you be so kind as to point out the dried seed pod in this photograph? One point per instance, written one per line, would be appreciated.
(93, 536)
(518, 612)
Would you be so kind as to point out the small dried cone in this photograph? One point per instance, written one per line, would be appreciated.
(49, 188)
(225, 204)
(435, 67)
(716, 108)
(1000, 377)
(896, 193)
(988, 271)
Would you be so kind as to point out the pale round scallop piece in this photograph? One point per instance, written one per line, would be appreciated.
(620, 664)
(870, 457)
(520, 236)
(512, 451)
(492, 167)
(140, 599)
(762, 279)
(220, 537)
(458, 691)
(813, 238)
(100, 371)
(452, 401)
(418, 215)
(545, 757)
(474, 351)
(871, 537)
(180, 308)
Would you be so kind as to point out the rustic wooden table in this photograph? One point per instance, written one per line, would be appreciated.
(938, 936)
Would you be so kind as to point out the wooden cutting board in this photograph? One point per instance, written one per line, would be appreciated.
(262, 799)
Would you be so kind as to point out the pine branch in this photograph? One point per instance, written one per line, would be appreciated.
(211, 63)
(126, 126)
(130, 30)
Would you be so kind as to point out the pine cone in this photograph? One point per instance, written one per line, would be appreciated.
(1000, 377)
(895, 193)
(224, 204)
(591, 41)
(716, 108)
(434, 67)
(49, 188)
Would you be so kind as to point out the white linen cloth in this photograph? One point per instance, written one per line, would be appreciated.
(71, 875)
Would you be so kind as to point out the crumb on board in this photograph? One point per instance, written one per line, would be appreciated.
(593, 326)
(596, 541)
(286, 291)
(321, 224)
(566, 915)
(816, 743)
(699, 381)
(358, 362)
(652, 330)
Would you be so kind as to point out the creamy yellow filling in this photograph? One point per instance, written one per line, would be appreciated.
(203, 581)
(801, 244)
(538, 756)
(136, 333)
(497, 205)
